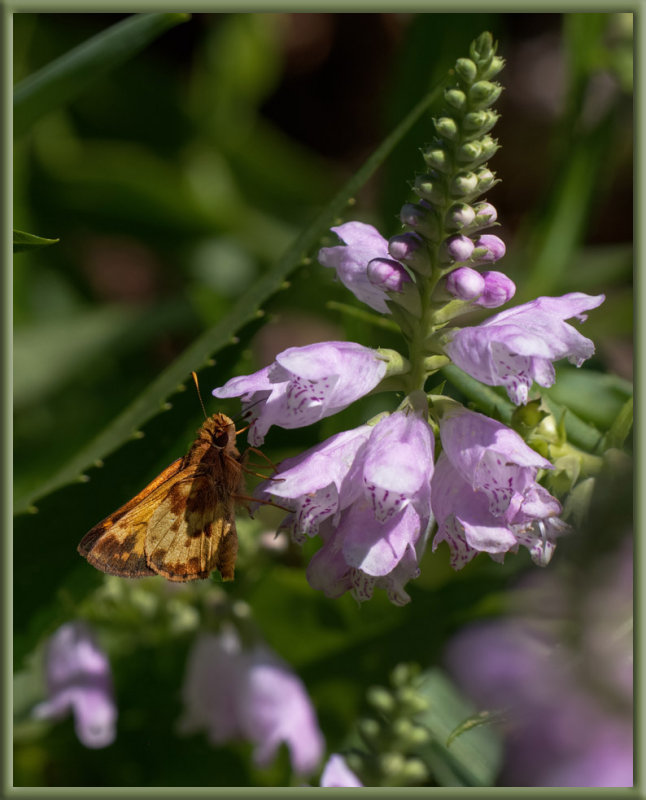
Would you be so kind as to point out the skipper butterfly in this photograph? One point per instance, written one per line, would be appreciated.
(182, 525)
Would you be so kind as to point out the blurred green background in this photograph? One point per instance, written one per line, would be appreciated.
(174, 182)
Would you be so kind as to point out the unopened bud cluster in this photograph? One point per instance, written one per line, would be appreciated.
(391, 735)
(443, 228)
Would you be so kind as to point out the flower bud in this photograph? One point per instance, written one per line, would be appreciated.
(380, 699)
(465, 183)
(466, 70)
(474, 120)
(410, 249)
(466, 284)
(422, 218)
(488, 248)
(411, 700)
(405, 672)
(447, 128)
(497, 63)
(468, 152)
(485, 214)
(479, 122)
(455, 98)
(391, 764)
(483, 94)
(437, 158)
(430, 188)
(485, 179)
(460, 215)
(488, 147)
(498, 289)
(404, 246)
(482, 49)
(387, 275)
(457, 248)
(414, 772)
(369, 729)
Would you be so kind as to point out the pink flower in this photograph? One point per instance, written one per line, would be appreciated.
(485, 496)
(517, 346)
(366, 492)
(237, 693)
(304, 385)
(363, 244)
(79, 680)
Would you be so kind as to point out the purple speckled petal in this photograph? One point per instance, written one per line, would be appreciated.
(373, 547)
(489, 456)
(516, 346)
(304, 385)
(398, 463)
(317, 484)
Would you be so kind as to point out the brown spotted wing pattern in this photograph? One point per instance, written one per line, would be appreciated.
(182, 525)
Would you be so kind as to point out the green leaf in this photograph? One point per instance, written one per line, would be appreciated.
(27, 241)
(471, 759)
(485, 397)
(578, 432)
(379, 321)
(198, 355)
(66, 77)
(594, 397)
(621, 427)
(490, 402)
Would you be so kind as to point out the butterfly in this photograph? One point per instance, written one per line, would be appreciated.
(182, 525)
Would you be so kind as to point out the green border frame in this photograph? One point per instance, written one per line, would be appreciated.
(7, 9)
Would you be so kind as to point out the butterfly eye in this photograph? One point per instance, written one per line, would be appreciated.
(221, 439)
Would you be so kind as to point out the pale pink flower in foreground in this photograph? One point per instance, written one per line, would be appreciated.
(79, 681)
(234, 693)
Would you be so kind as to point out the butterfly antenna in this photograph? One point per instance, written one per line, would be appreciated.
(197, 386)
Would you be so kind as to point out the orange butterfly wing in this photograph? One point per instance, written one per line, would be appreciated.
(192, 532)
(116, 544)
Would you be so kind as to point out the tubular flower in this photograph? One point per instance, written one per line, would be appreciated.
(363, 244)
(517, 346)
(235, 693)
(366, 492)
(304, 385)
(79, 680)
(484, 492)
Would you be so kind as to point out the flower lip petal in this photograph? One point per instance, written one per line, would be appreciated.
(512, 347)
(245, 385)
(376, 549)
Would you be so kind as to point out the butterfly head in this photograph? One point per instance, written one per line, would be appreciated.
(219, 430)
